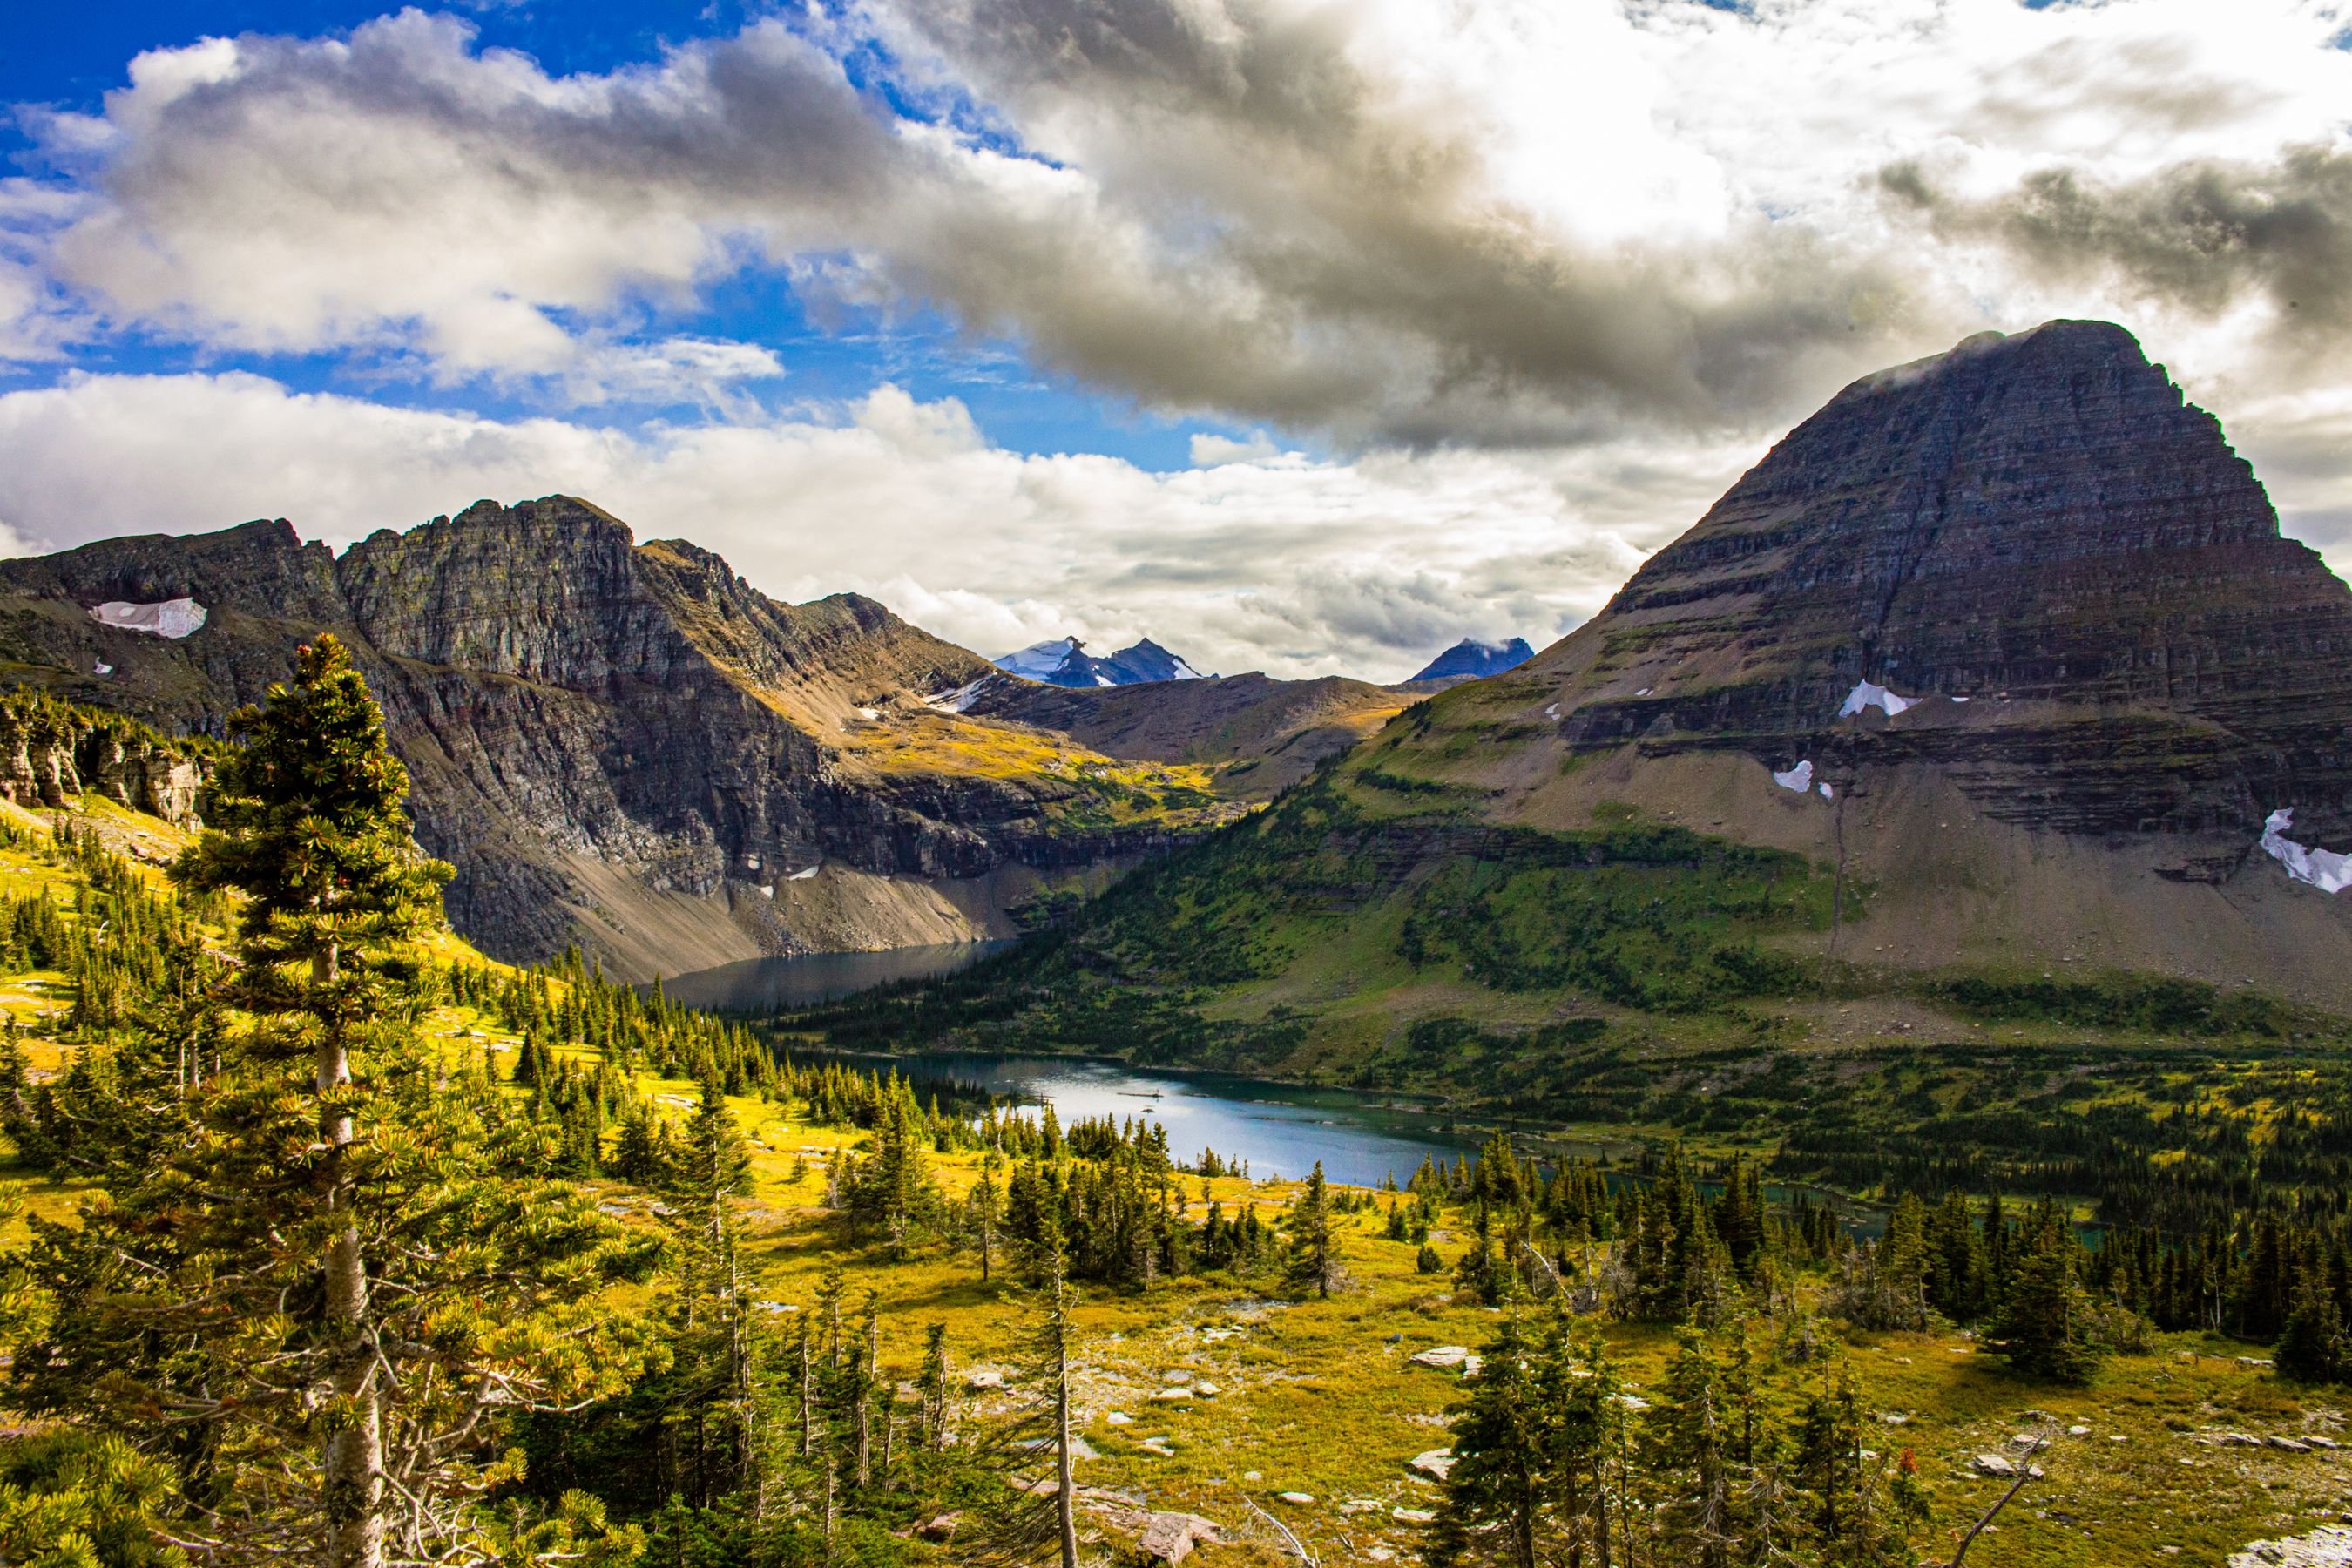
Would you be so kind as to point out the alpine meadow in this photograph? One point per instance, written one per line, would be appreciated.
(1539, 784)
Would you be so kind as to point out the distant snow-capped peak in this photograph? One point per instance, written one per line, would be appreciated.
(1064, 661)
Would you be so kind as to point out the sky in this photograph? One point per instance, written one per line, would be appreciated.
(1307, 336)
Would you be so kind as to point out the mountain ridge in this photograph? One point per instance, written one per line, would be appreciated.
(1064, 661)
(623, 744)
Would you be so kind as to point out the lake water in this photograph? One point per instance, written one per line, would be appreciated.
(776, 985)
(1280, 1129)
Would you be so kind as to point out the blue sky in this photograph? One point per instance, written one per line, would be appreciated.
(1296, 336)
(70, 59)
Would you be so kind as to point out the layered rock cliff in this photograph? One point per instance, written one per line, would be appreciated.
(619, 743)
(2011, 634)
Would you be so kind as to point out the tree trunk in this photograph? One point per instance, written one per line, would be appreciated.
(352, 1488)
(808, 1400)
(1066, 1495)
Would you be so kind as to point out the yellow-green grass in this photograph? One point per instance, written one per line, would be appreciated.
(1314, 1398)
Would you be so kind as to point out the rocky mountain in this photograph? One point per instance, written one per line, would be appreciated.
(619, 743)
(1991, 692)
(2024, 625)
(1471, 659)
(1065, 661)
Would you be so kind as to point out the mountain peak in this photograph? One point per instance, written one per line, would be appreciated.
(1476, 660)
(1065, 661)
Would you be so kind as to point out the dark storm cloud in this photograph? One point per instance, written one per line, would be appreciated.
(2200, 236)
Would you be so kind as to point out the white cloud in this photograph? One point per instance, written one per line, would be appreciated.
(1514, 221)
(1549, 273)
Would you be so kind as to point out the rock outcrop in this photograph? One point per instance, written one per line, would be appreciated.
(51, 752)
(618, 743)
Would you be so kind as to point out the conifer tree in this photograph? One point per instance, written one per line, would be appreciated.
(2045, 1326)
(322, 1298)
(1314, 1258)
(1496, 1489)
(2311, 1347)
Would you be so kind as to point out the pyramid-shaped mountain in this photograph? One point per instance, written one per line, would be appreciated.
(2072, 591)
(2012, 632)
(1471, 659)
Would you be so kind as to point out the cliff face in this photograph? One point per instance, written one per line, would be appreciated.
(2009, 636)
(51, 751)
(2036, 531)
(614, 742)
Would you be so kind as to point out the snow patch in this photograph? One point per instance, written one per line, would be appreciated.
(169, 618)
(1552, 711)
(805, 876)
(99, 667)
(1827, 792)
(1038, 660)
(2322, 868)
(1799, 778)
(1865, 695)
(961, 698)
(767, 890)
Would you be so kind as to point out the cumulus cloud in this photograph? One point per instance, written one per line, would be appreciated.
(2207, 237)
(1297, 567)
(1511, 222)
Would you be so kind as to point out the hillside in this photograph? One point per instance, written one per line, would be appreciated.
(1657, 877)
(620, 744)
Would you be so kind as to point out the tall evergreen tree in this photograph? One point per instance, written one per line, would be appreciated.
(1496, 1493)
(323, 1299)
(2045, 1326)
(1314, 1255)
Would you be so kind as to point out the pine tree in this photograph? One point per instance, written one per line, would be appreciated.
(2311, 1347)
(1314, 1258)
(2045, 1326)
(313, 1299)
(1862, 1509)
(1496, 1492)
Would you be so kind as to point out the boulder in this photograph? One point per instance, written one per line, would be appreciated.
(1170, 1537)
(1445, 1358)
(1437, 1462)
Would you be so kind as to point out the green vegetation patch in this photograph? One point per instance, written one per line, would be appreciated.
(1657, 918)
(2160, 1003)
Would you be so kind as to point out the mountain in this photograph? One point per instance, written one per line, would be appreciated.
(1064, 661)
(1991, 694)
(616, 744)
(1474, 660)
